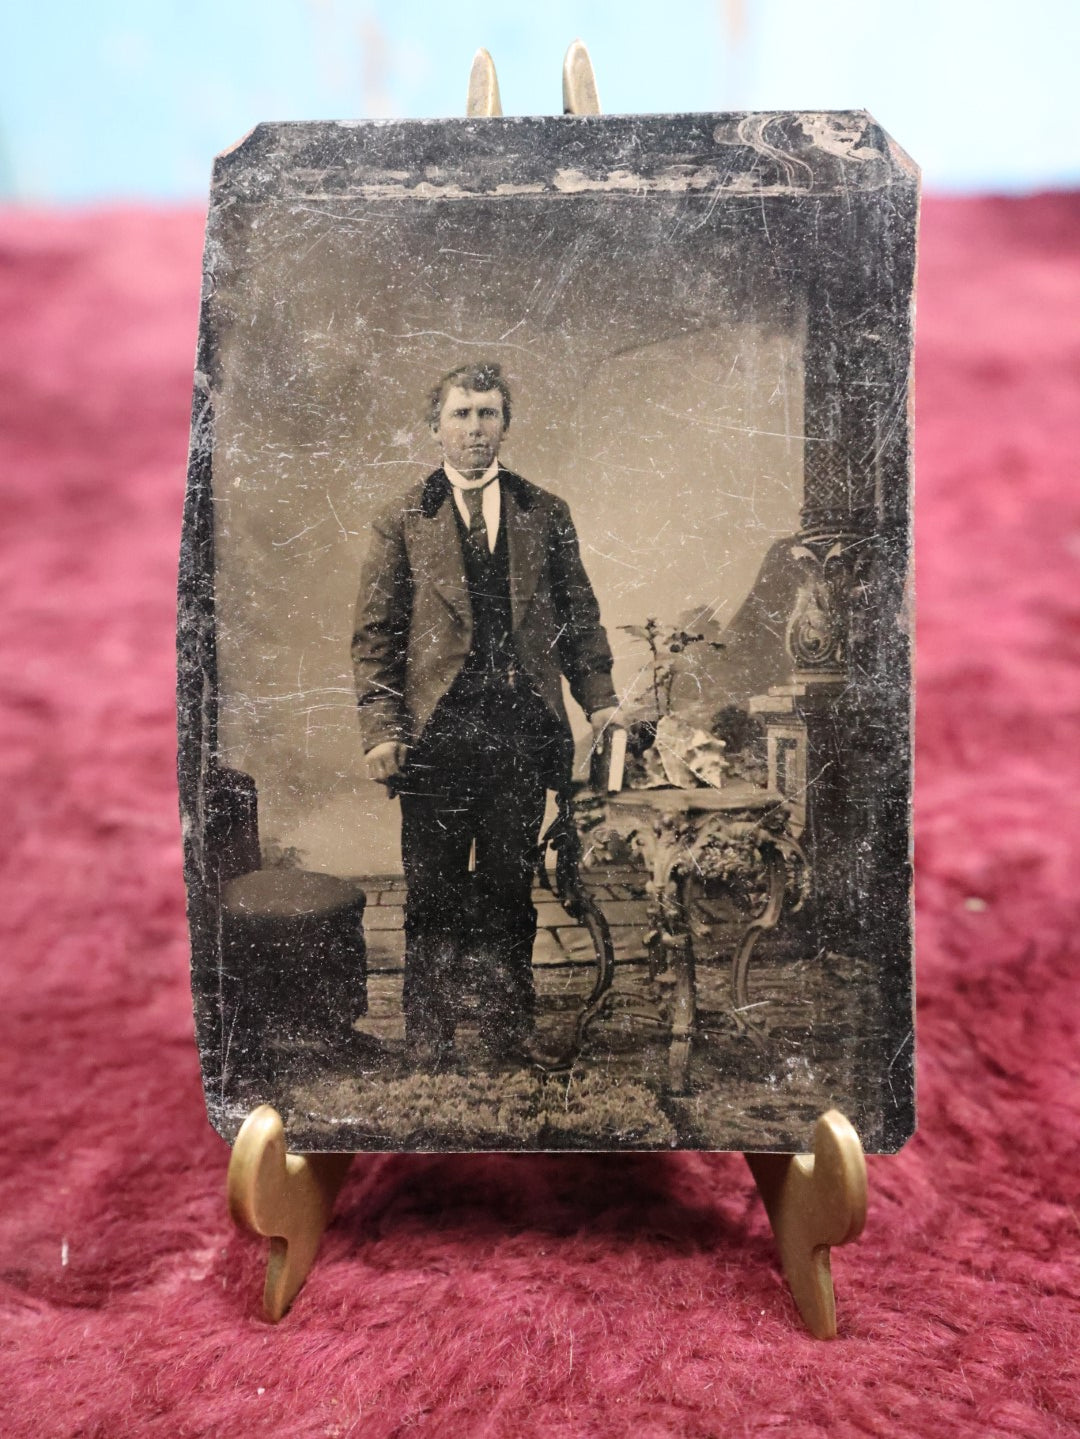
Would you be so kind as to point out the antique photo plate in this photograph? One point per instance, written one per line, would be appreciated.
(498, 425)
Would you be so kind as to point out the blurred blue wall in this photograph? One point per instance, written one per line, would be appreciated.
(107, 99)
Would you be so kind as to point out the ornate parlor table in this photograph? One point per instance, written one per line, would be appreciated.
(740, 839)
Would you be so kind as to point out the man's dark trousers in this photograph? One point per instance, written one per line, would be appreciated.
(478, 777)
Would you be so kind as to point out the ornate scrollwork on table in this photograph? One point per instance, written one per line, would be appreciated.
(738, 837)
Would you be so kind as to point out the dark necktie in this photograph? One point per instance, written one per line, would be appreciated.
(474, 503)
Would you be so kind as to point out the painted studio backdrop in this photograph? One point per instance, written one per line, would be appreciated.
(667, 413)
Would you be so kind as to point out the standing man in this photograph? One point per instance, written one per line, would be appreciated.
(473, 603)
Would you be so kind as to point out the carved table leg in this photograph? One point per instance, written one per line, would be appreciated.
(767, 919)
(286, 1198)
(683, 1002)
(814, 1201)
(670, 942)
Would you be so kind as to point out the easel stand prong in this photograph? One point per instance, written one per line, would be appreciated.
(482, 98)
(286, 1198)
(814, 1201)
(580, 95)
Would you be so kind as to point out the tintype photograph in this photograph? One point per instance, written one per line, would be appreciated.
(544, 635)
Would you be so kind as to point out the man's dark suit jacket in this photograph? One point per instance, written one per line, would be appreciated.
(413, 617)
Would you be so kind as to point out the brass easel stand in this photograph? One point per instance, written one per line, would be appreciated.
(813, 1201)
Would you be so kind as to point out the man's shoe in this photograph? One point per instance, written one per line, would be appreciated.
(512, 1053)
(429, 1056)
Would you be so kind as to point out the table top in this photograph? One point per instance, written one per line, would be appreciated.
(739, 795)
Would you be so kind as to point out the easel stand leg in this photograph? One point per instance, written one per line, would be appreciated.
(814, 1201)
(286, 1198)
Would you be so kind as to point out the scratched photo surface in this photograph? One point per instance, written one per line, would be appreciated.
(703, 326)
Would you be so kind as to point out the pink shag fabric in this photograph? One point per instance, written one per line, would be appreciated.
(521, 1296)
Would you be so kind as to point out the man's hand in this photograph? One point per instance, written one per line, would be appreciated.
(385, 761)
(600, 719)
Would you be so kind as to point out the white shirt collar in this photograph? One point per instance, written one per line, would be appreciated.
(461, 483)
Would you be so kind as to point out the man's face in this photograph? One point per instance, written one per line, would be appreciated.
(470, 429)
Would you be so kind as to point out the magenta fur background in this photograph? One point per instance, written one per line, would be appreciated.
(526, 1296)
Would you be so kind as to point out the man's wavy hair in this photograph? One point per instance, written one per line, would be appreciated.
(487, 375)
